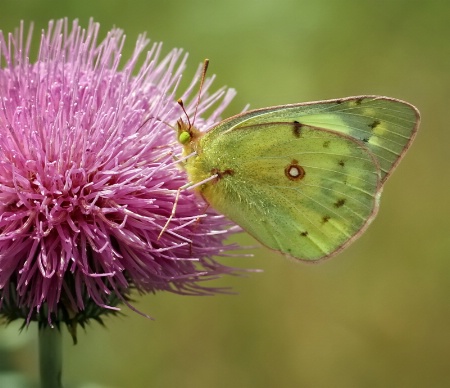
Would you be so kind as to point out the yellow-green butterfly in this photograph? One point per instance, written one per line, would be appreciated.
(303, 179)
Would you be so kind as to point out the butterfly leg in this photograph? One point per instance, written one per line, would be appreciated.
(172, 214)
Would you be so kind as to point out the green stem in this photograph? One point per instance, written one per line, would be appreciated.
(50, 357)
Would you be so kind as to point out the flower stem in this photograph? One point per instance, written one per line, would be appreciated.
(50, 357)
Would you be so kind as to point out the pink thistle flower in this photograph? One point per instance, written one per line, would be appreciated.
(89, 176)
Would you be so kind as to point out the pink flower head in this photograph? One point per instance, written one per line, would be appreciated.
(89, 176)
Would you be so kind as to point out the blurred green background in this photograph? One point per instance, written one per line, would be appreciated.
(376, 316)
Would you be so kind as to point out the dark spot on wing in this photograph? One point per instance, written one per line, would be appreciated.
(358, 101)
(341, 163)
(326, 144)
(325, 219)
(297, 129)
(338, 101)
(304, 234)
(294, 171)
(366, 139)
(375, 124)
(339, 202)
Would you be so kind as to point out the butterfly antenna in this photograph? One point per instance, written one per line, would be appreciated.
(202, 81)
(180, 102)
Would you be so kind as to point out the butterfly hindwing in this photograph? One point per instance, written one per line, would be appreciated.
(302, 190)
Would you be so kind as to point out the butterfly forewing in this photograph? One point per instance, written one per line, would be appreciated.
(387, 126)
(298, 189)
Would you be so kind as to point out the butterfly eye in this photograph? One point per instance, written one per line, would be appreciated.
(184, 137)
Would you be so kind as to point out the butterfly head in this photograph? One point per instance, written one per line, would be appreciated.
(187, 136)
(184, 132)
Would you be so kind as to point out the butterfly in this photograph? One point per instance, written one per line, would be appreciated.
(303, 179)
